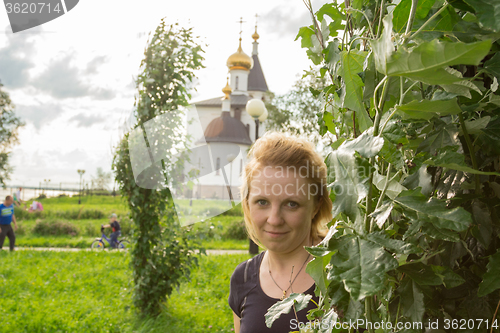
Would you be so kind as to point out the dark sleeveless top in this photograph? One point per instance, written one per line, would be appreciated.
(250, 303)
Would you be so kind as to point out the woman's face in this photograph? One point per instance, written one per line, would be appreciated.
(282, 205)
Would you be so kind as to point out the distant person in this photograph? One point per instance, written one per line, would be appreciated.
(115, 226)
(35, 206)
(6, 218)
(17, 197)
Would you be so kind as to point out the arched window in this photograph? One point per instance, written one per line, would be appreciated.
(236, 83)
(217, 166)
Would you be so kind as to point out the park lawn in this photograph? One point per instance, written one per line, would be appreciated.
(65, 291)
(91, 292)
(79, 225)
(83, 242)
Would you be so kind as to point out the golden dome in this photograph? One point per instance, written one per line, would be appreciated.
(227, 90)
(239, 60)
(255, 35)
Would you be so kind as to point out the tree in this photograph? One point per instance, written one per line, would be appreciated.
(101, 179)
(415, 174)
(163, 251)
(299, 110)
(9, 126)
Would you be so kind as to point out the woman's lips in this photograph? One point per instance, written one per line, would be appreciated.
(275, 234)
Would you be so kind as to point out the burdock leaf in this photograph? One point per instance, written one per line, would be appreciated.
(434, 211)
(490, 282)
(284, 307)
(361, 265)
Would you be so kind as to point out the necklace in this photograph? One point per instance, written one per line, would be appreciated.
(291, 274)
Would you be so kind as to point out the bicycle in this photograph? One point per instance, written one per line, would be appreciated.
(98, 244)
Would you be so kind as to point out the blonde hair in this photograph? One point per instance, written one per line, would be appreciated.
(280, 150)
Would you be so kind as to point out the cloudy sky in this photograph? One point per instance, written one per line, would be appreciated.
(72, 79)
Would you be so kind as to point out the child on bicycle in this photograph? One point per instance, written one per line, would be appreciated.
(115, 226)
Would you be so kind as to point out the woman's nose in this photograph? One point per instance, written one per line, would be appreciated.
(274, 216)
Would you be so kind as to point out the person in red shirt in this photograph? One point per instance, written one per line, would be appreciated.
(115, 226)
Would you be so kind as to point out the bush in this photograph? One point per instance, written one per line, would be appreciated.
(22, 214)
(21, 229)
(126, 225)
(55, 228)
(236, 211)
(76, 214)
(236, 230)
(91, 230)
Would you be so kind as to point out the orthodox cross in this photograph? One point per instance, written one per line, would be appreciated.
(241, 25)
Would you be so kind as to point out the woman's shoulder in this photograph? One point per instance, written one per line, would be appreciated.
(247, 269)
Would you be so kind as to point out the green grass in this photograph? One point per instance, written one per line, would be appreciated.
(218, 232)
(65, 292)
(52, 241)
(230, 244)
(91, 292)
(201, 304)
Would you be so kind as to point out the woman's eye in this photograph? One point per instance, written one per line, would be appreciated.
(293, 204)
(261, 202)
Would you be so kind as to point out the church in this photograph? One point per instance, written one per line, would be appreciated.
(222, 131)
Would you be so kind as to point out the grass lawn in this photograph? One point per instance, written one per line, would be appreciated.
(91, 292)
(80, 224)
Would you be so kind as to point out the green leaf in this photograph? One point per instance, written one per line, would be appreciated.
(366, 145)
(421, 274)
(332, 54)
(449, 158)
(492, 131)
(492, 66)
(434, 211)
(316, 269)
(391, 154)
(395, 245)
(331, 318)
(361, 265)
(450, 278)
(490, 282)
(437, 233)
(427, 109)
(284, 307)
(483, 228)
(305, 33)
(475, 126)
(426, 61)
(352, 94)
(351, 181)
(383, 47)
(393, 189)
(412, 300)
(488, 13)
(382, 213)
(443, 136)
(402, 12)
(462, 87)
(332, 10)
(460, 4)
(318, 251)
(421, 178)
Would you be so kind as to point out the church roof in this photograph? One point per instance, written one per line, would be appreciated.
(256, 79)
(227, 129)
(236, 100)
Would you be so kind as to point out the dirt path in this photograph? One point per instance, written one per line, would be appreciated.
(62, 249)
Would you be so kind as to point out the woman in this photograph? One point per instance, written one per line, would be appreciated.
(286, 205)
